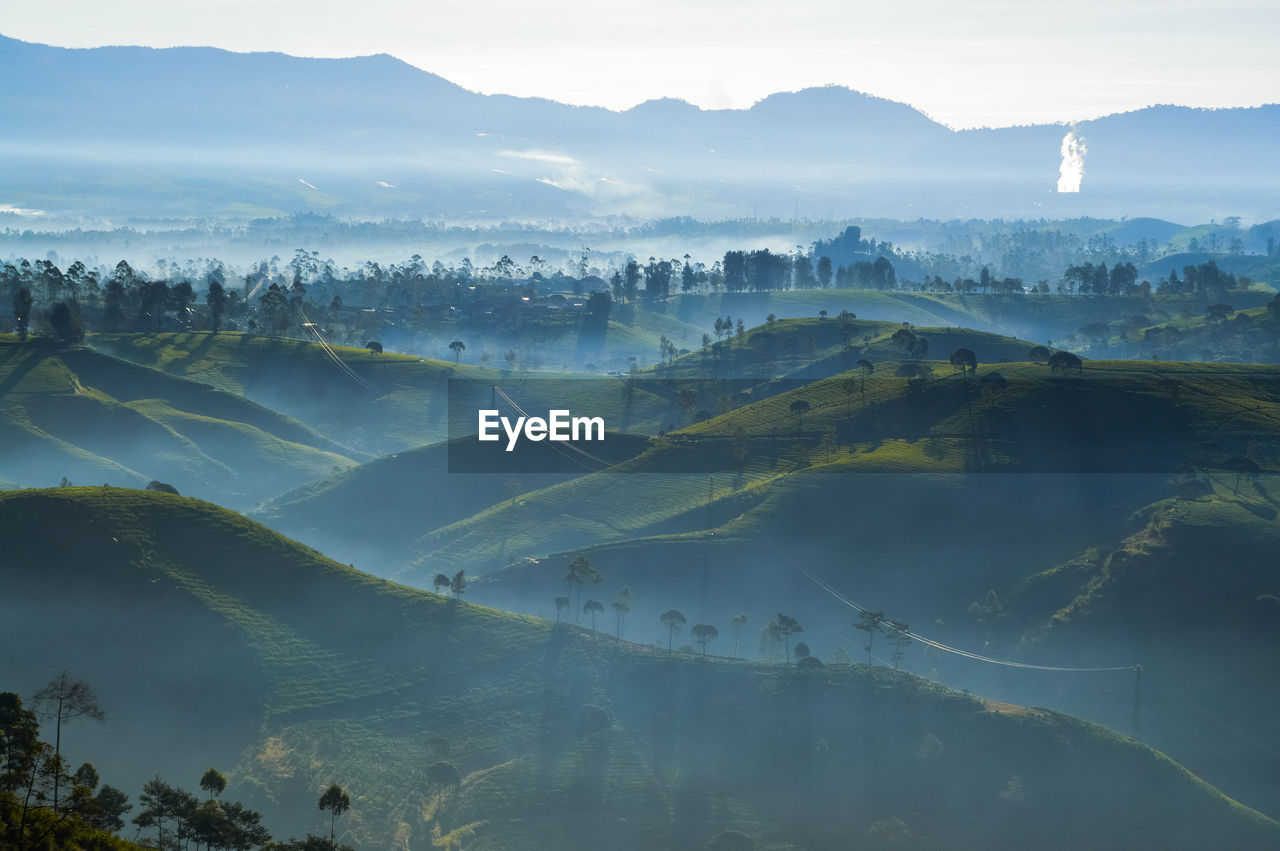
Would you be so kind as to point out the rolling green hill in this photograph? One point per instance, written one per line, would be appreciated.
(1132, 418)
(818, 348)
(1250, 335)
(373, 403)
(82, 415)
(1038, 317)
(225, 643)
(399, 497)
(1194, 595)
(910, 512)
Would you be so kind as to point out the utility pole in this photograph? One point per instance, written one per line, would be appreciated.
(1137, 702)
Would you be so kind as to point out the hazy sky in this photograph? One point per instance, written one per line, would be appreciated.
(966, 64)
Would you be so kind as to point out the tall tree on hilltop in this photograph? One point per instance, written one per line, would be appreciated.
(870, 623)
(672, 619)
(788, 626)
(622, 607)
(581, 573)
(704, 633)
(739, 621)
(593, 606)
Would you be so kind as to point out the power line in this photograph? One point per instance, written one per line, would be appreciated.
(946, 648)
(342, 365)
(500, 393)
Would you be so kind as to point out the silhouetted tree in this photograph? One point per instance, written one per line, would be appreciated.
(440, 582)
(964, 360)
(1241, 466)
(802, 651)
(458, 584)
(65, 699)
(216, 299)
(622, 607)
(828, 444)
(898, 639)
(457, 347)
(561, 604)
(739, 621)
(870, 623)
(373, 346)
(113, 302)
(704, 634)
(160, 803)
(275, 307)
(1039, 354)
(593, 606)
(787, 626)
(800, 407)
(337, 802)
(824, 272)
(865, 367)
(22, 302)
(581, 573)
(64, 322)
(213, 782)
(111, 805)
(673, 620)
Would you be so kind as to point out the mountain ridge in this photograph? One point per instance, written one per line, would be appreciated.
(179, 121)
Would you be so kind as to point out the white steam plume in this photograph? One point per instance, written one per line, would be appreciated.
(1071, 172)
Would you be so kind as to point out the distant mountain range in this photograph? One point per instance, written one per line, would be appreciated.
(183, 132)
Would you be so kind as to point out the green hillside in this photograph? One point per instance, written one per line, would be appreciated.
(82, 415)
(1039, 317)
(1249, 335)
(373, 403)
(1102, 419)
(1194, 594)
(292, 672)
(401, 496)
(817, 348)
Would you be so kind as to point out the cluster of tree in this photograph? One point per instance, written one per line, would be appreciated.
(986, 284)
(456, 584)
(897, 633)
(1226, 333)
(1088, 279)
(180, 818)
(579, 574)
(45, 806)
(42, 803)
